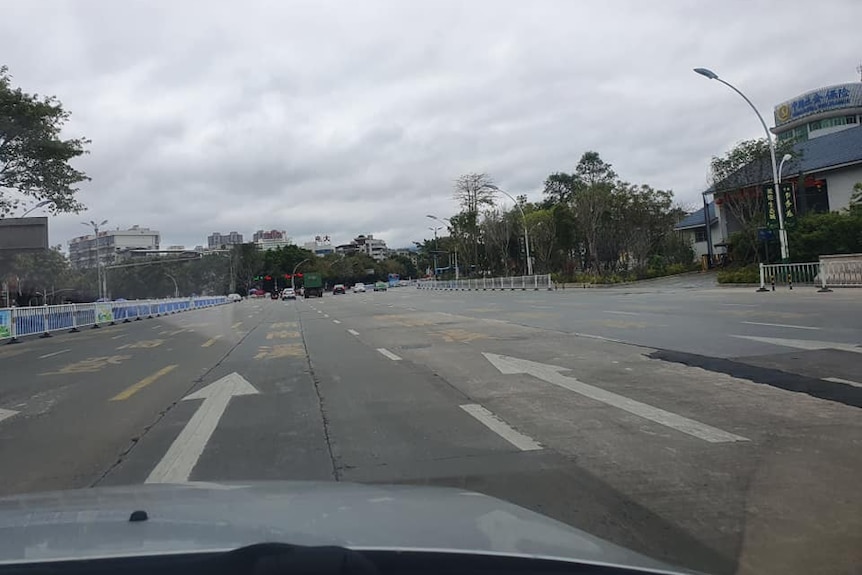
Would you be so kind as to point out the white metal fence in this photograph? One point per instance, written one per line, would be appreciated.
(17, 322)
(534, 282)
(824, 274)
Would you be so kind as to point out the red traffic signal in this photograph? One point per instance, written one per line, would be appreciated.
(299, 275)
(287, 276)
(267, 278)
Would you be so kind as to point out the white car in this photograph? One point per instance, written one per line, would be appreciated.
(234, 297)
(359, 287)
(288, 293)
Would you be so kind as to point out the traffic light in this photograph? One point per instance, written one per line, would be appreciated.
(267, 278)
(299, 275)
(287, 276)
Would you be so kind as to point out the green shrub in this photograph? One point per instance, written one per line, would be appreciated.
(745, 275)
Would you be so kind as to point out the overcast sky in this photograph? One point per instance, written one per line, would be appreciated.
(351, 117)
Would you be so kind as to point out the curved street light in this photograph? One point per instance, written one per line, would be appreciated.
(41, 204)
(526, 236)
(293, 273)
(786, 158)
(782, 233)
(176, 287)
(456, 249)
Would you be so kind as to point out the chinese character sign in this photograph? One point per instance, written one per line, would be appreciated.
(788, 203)
(831, 98)
(771, 206)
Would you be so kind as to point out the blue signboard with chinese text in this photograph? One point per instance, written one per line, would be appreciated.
(822, 100)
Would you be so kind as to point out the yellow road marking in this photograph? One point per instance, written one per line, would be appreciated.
(283, 325)
(459, 335)
(282, 350)
(282, 334)
(143, 344)
(133, 389)
(210, 341)
(90, 365)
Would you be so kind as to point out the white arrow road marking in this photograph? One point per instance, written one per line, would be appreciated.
(551, 374)
(177, 464)
(809, 344)
(6, 413)
(501, 428)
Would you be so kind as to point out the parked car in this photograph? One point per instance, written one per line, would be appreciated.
(288, 293)
(380, 286)
(234, 297)
(359, 287)
(338, 288)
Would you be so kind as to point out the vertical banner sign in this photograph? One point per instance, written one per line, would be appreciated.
(104, 313)
(771, 206)
(788, 203)
(5, 323)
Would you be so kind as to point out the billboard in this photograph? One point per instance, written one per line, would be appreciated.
(831, 98)
(23, 234)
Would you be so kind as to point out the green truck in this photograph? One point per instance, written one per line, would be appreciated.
(312, 285)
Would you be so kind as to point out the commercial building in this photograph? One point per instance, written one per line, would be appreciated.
(321, 246)
(365, 244)
(86, 251)
(819, 112)
(270, 240)
(216, 240)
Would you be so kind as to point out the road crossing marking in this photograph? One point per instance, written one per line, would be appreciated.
(211, 341)
(385, 352)
(841, 380)
(53, 354)
(335, 321)
(780, 325)
(808, 344)
(552, 375)
(133, 389)
(352, 332)
(501, 428)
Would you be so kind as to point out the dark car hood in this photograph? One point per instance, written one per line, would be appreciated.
(205, 516)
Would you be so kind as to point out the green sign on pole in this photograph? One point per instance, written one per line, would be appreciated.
(771, 207)
(788, 204)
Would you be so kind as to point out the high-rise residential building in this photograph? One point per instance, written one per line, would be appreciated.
(270, 240)
(87, 251)
(218, 239)
(371, 246)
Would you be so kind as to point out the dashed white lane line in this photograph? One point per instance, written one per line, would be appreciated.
(840, 380)
(385, 352)
(780, 325)
(119, 336)
(621, 312)
(335, 321)
(352, 332)
(501, 428)
(326, 315)
(6, 413)
(53, 354)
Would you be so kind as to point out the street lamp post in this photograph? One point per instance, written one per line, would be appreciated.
(436, 247)
(41, 204)
(96, 227)
(456, 249)
(782, 233)
(176, 287)
(526, 236)
(293, 273)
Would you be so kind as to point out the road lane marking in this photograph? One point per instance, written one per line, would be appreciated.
(119, 336)
(282, 335)
(352, 332)
(808, 344)
(742, 304)
(133, 389)
(6, 413)
(385, 352)
(178, 463)
(780, 325)
(211, 341)
(501, 428)
(55, 353)
(618, 312)
(326, 315)
(552, 375)
(90, 365)
(335, 321)
(841, 380)
(280, 350)
(236, 325)
(157, 327)
(143, 344)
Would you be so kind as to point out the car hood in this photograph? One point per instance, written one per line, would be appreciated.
(205, 516)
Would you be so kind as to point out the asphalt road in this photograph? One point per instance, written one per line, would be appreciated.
(718, 429)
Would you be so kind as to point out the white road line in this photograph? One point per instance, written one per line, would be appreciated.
(742, 304)
(501, 428)
(840, 380)
(6, 413)
(809, 344)
(622, 312)
(119, 336)
(326, 315)
(352, 332)
(388, 354)
(335, 321)
(53, 354)
(780, 325)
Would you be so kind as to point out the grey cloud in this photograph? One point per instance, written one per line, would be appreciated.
(346, 118)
